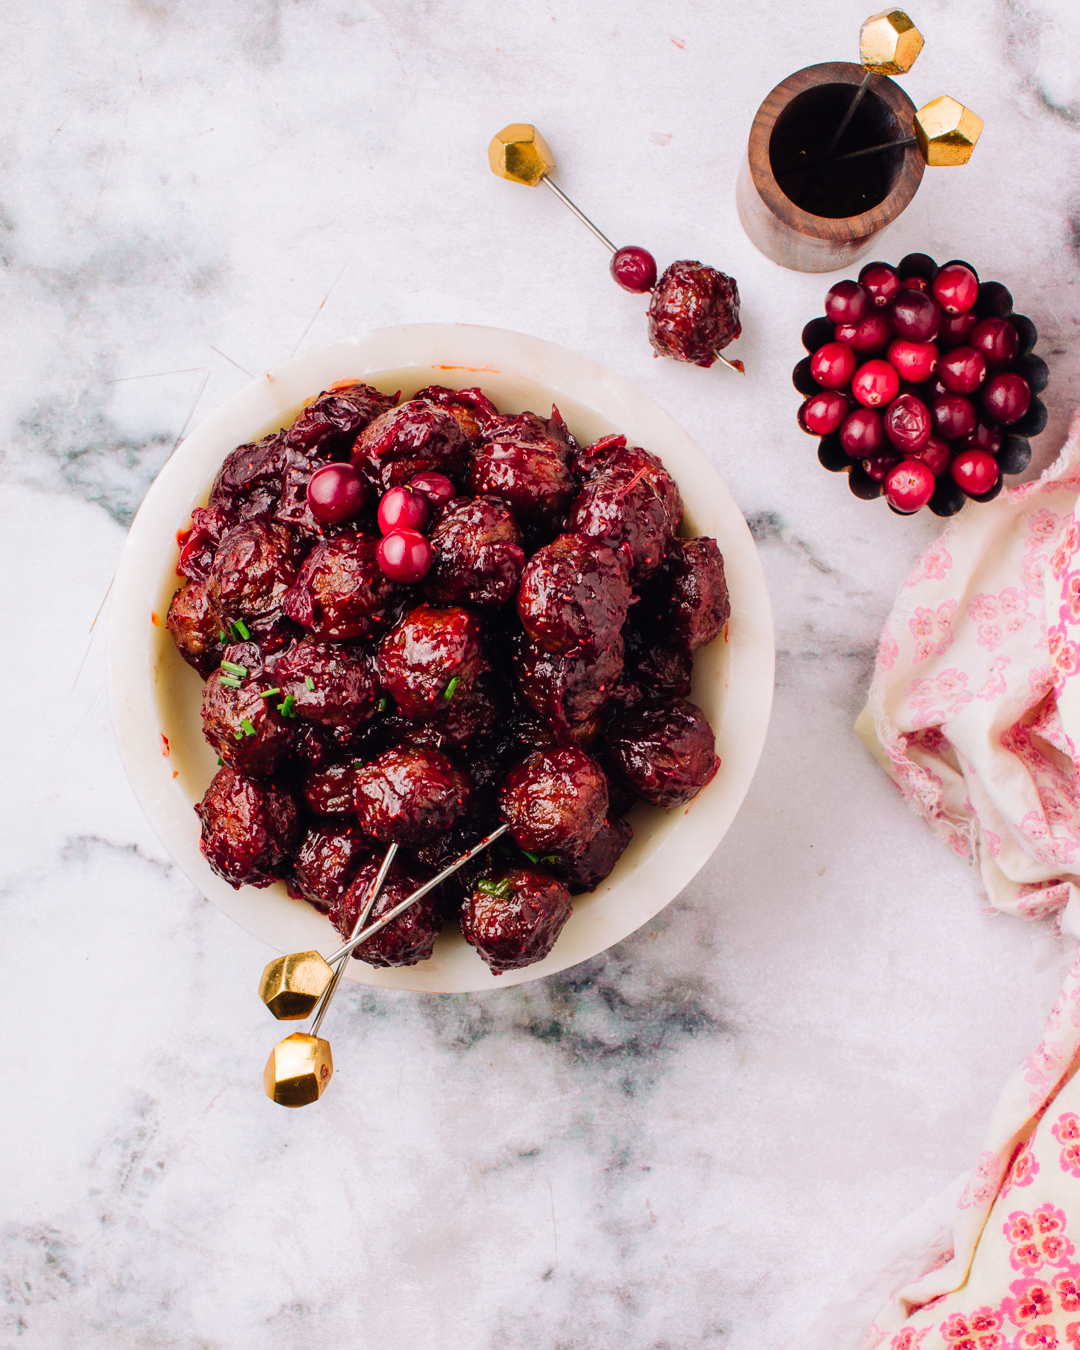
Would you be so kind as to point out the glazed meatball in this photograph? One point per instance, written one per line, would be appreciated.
(693, 313)
(249, 481)
(632, 501)
(477, 554)
(336, 417)
(585, 870)
(341, 592)
(515, 919)
(574, 596)
(431, 656)
(472, 409)
(405, 940)
(327, 863)
(328, 789)
(533, 480)
(208, 525)
(253, 568)
(555, 801)
(332, 685)
(408, 440)
(474, 711)
(245, 729)
(195, 628)
(664, 750)
(249, 829)
(566, 690)
(409, 793)
(693, 602)
(658, 665)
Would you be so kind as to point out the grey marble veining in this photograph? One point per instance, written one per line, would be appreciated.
(694, 1138)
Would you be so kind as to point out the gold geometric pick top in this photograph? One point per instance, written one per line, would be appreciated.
(520, 153)
(292, 985)
(889, 43)
(298, 1070)
(946, 132)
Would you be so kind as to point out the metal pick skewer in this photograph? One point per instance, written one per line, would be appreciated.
(521, 154)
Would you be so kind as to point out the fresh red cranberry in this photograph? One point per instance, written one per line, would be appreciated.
(975, 471)
(1006, 397)
(913, 361)
(962, 370)
(847, 302)
(823, 413)
(915, 316)
(833, 365)
(956, 329)
(401, 509)
(935, 454)
(953, 416)
(436, 488)
(862, 433)
(907, 423)
(404, 555)
(998, 341)
(869, 336)
(878, 466)
(336, 492)
(986, 436)
(909, 486)
(919, 284)
(875, 384)
(880, 283)
(634, 268)
(955, 288)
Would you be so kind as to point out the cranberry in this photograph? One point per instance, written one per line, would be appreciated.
(962, 370)
(404, 556)
(919, 284)
(975, 471)
(872, 335)
(917, 265)
(998, 341)
(915, 316)
(914, 361)
(436, 488)
(955, 288)
(1006, 397)
(880, 283)
(823, 413)
(401, 509)
(935, 454)
(878, 466)
(634, 268)
(986, 436)
(862, 433)
(907, 423)
(833, 365)
(336, 492)
(875, 384)
(847, 303)
(909, 486)
(953, 416)
(816, 333)
(957, 328)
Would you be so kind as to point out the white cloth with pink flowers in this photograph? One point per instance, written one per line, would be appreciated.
(975, 712)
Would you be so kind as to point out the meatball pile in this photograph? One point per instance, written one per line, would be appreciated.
(536, 676)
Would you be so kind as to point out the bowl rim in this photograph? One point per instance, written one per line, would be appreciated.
(684, 838)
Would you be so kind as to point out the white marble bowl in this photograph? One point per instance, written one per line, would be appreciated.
(154, 696)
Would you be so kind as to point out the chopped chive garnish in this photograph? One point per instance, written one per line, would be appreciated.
(499, 888)
(551, 859)
(233, 668)
(384, 703)
(222, 636)
(246, 727)
(230, 681)
(286, 708)
(220, 761)
(241, 630)
(267, 692)
(309, 682)
(451, 688)
(532, 857)
(238, 735)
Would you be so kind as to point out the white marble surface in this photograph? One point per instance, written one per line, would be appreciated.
(693, 1139)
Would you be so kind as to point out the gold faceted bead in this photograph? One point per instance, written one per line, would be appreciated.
(889, 43)
(298, 1070)
(292, 985)
(520, 153)
(946, 132)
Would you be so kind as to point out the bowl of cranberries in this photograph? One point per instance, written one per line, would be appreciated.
(922, 384)
(375, 598)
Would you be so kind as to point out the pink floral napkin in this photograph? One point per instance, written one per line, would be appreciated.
(975, 713)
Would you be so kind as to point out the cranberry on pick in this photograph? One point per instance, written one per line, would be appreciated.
(404, 556)
(875, 384)
(975, 471)
(955, 288)
(401, 509)
(909, 486)
(634, 268)
(880, 283)
(823, 413)
(847, 303)
(436, 488)
(998, 341)
(862, 433)
(833, 365)
(913, 361)
(962, 370)
(336, 492)
(1006, 397)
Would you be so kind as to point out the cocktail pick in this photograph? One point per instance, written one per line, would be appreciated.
(520, 154)
(944, 130)
(300, 1066)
